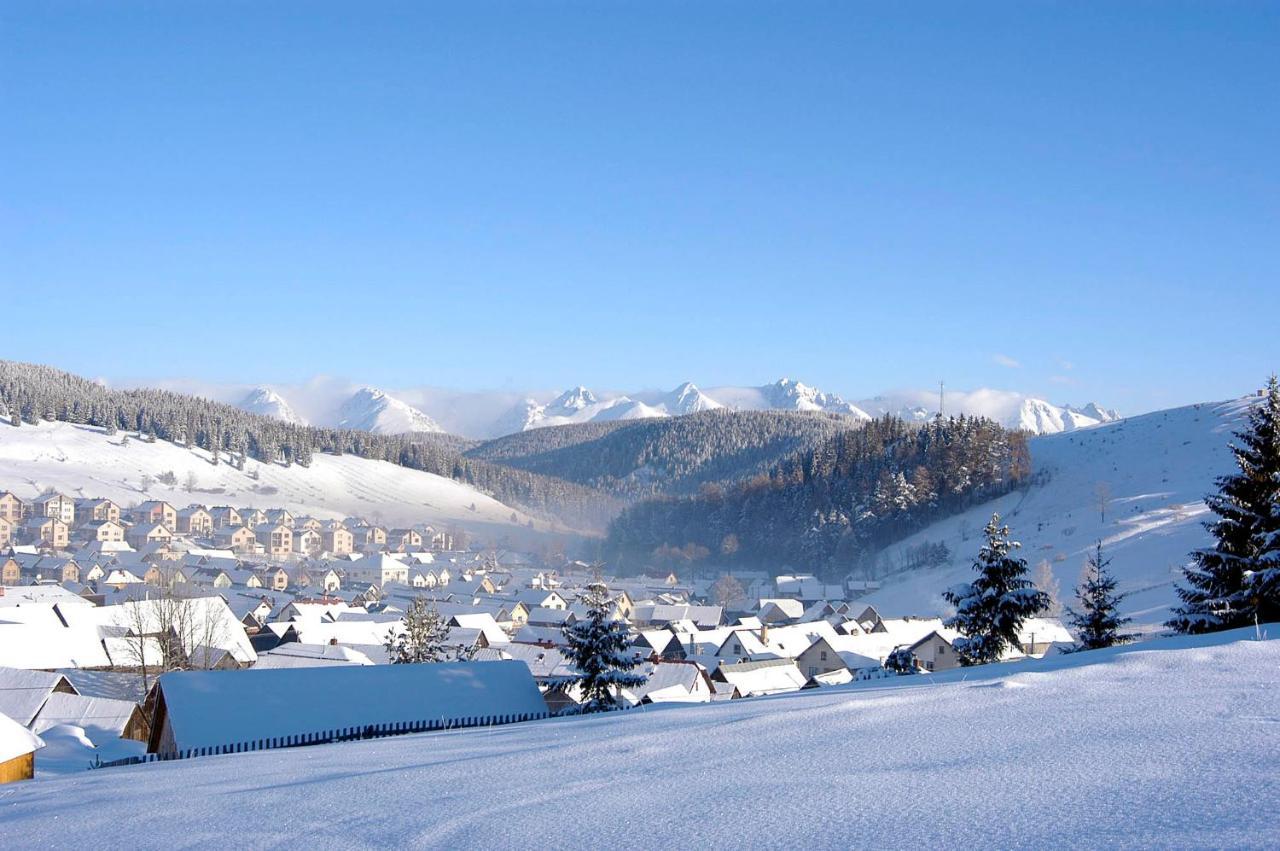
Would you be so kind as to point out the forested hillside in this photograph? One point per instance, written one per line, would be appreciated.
(30, 393)
(672, 456)
(830, 506)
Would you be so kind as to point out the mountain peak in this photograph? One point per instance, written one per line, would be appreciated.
(268, 403)
(372, 409)
(574, 399)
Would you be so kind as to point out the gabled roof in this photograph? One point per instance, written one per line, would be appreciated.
(23, 693)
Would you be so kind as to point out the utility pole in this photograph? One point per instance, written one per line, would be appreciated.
(942, 396)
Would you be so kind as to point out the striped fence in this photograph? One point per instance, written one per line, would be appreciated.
(342, 734)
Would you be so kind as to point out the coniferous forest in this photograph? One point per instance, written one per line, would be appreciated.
(827, 508)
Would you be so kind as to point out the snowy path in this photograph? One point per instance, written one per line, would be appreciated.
(1176, 746)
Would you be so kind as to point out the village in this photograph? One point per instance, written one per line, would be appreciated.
(101, 603)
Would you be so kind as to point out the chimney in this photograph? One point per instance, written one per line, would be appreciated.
(764, 633)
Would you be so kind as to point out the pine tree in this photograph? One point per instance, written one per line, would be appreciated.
(423, 638)
(598, 649)
(1098, 623)
(902, 661)
(1237, 582)
(991, 609)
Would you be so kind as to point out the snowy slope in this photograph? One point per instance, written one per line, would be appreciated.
(1153, 471)
(371, 409)
(1174, 744)
(83, 461)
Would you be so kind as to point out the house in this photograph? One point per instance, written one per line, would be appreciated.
(46, 531)
(6, 533)
(308, 523)
(404, 540)
(96, 510)
(238, 539)
(537, 599)
(275, 538)
(935, 652)
(337, 540)
(54, 504)
(18, 747)
(1037, 635)
(307, 541)
(195, 520)
(145, 534)
(24, 693)
(369, 537)
(225, 515)
(671, 682)
(10, 571)
(207, 709)
(767, 676)
(252, 517)
(101, 530)
(12, 508)
(156, 511)
(379, 570)
(280, 517)
(102, 718)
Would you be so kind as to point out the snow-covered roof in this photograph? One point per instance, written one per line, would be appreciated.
(35, 636)
(16, 740)
(209, 708)
(295, 654)
(765, 677)
(22, 692)
(94, 714)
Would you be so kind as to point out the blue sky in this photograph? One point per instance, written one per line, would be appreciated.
(1078, 200)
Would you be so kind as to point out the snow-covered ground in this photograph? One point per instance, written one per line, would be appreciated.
(1171, 744)
(1152, 471)
(83, 461)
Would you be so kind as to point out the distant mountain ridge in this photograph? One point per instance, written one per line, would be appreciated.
(335, 403)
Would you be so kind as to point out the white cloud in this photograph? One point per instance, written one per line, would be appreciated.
(1006, 361)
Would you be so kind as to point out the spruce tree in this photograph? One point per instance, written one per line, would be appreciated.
(598, 649)
(1097, 624)
(1236, 582)
(423, 638)
(990, 610)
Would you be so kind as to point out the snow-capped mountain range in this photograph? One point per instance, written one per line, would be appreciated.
(338, 403)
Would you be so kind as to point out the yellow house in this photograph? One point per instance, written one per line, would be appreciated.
(18, 747)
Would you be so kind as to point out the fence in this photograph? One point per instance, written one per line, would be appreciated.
(342, 734)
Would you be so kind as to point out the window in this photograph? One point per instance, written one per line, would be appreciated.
(824, 655)
(813, 671)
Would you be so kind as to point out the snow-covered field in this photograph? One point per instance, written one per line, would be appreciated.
(83, 461)
(1171, 744)
(1153, 472)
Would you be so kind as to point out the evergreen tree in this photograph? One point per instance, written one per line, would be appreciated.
(598, 649)
(902, 661)
(1236, 582)
(423, 638)
(990, 610)
(1098, 623)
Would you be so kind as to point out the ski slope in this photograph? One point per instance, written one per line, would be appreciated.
(83, 461)
(1171, 744)
(1153, 472)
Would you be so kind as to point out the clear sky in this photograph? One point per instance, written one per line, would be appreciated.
(1078, 200)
